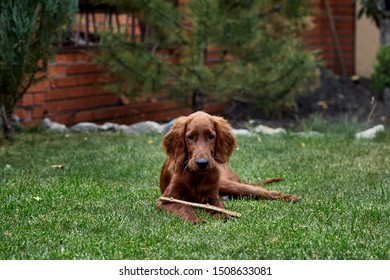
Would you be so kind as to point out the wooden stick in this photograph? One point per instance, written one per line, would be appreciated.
(200, 205)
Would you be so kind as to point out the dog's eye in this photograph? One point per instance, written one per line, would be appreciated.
(190, 137)
(211, 136)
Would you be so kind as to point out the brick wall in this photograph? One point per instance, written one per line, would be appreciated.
(76, 91)
(320, 36)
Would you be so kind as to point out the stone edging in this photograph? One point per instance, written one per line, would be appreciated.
(154, 127)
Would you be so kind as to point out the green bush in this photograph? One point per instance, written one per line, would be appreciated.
(29, 32)
(381, 75)
(261, 58)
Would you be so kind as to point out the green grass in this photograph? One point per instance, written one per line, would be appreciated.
(101, 205)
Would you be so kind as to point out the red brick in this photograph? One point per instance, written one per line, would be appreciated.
(153, 106)
(72, 57)
(84, 68)
(27, 99)
(82, 103)
(94, 90)
(38, 112)
(31, 122)
(39, 87)
(84, 91)
(81, 80)
(56, 69)
(23, 114)
(111, 113)
(55, 94)
(39, 98)
(86, 116)
(62, 118)
(111, 99)
(73, 69)
(168, 115)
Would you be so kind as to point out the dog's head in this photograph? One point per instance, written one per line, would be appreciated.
(199, 141)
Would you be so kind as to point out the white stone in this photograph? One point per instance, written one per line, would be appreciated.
(269, 130)
(109, 126)
(49, 125)
(143, 128)
(370, 133)
(241, 132)
(85, 127)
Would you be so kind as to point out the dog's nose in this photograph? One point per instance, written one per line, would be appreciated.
(202, 163)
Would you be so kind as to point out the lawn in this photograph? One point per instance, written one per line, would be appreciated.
(101, 204)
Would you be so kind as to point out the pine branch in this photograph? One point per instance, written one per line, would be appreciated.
(178, 24)
(276, 9)
(31, 80)
(124, 65)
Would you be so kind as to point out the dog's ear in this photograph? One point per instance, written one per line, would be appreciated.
(174, 141)
(225, 142)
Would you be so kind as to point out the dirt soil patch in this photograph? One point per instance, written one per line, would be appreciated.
(334, 98)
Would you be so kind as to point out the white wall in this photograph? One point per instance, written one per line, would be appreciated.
(367, 45)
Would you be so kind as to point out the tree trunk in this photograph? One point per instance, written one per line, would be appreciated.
(8, 124)
(386, 96)
(197, 100)
(385, 31)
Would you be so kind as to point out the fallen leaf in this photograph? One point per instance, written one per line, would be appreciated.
(323, 104)
(355, 78)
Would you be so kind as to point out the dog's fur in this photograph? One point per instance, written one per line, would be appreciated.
(198, 148)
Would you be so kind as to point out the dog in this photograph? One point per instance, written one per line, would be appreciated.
(196, 169)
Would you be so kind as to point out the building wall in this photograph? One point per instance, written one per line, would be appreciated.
(367, 45)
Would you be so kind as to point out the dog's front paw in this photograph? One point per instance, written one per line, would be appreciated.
(197, 220)
(291, 198)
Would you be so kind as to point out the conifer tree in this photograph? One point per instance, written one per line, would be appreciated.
(261, 58)
(28, 31)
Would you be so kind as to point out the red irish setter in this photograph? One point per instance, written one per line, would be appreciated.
(198, 148)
